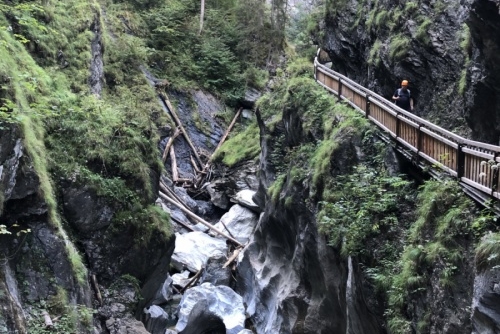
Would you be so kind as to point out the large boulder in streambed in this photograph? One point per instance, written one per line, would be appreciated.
(192, 250)
(211, 308)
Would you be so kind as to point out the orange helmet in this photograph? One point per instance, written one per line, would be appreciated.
(404, 83)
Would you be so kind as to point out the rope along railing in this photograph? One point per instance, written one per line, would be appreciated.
(474, 163)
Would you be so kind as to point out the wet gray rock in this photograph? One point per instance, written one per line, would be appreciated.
(251, 96)
(290, 279)
(214, 273)
(181, 279)
(211, 306)
(217, 194)
(486, 302)
(156, 319)
(164, 293)
(245, 198)
(186, 199)
(239, 222)
(127, 325)
(192, 250)
(86, 212)
(247, 113)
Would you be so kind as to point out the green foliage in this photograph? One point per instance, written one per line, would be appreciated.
(255, 77)
(146, 222)
(232, 41)
(69, 317)
(411, 6)
(244, 145)
(488, 251)
(332, 7)
(398, 47)
(303, 24)
(109, 143)
(433, 246)
(374, 58)
(465, 39)
(276, 187)
(381, 18)
(465, 44)
(422, 29)
(359, 205)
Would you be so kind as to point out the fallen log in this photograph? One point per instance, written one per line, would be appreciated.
(172, 194)
(199, 219)
(225, 134)
(183, 224)
(165, 99)
(195, 167)
(232, 257)
(96, 289)
(47, 320)
(192, 280)
(169, 143)
(173, 162)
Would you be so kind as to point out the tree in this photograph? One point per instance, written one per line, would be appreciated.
(202, 14)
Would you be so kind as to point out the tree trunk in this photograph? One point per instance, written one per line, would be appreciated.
(202, 15)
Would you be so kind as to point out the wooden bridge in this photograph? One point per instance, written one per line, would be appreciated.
(475, 164)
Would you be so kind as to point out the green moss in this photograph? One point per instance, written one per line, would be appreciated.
(244, 145)
(465, 39)
(433, 244)
(422, 29)
(381, 18)
(145, 223)
(488, 251)
(398, 47)
(357, 206)
(276, 187)
(374, 58)
(411, 6)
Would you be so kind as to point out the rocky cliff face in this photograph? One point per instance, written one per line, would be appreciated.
(291, 280)
(35, 263)
(448, 51)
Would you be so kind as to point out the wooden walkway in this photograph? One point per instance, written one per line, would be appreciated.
(475, 164)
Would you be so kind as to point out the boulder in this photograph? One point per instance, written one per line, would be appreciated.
(218, 197)
(247, 113)
(486, 302)
(215, 273)
(244, 198)
(127, 325)
(183, 195)
(251, 96)
(192, 250)
(181, 279)
(164, 293)
(207, 307)
(239, 221)
(156, 319)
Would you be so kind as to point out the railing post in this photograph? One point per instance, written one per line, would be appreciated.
(397, 125)
(419, 142)
(494, 181)
(340, 89)
(460, 161)
(367, 113)
(315, 69)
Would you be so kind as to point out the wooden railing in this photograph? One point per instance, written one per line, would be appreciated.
(474, 163)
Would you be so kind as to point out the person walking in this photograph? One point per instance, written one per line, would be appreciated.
(402, 97)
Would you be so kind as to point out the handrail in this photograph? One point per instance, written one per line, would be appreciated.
(468, 160)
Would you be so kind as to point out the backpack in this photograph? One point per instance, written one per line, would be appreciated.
(399, 93)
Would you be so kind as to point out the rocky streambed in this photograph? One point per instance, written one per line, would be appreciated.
(197, 294)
